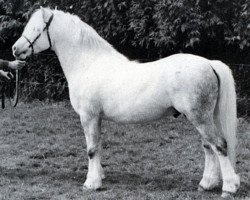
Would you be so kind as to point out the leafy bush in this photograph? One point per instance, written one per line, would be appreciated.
(42, 81)
(242, 79)
(13, 16)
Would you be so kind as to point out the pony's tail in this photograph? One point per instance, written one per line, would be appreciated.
(225, 110)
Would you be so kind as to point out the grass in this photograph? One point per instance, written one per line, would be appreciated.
(42, 156)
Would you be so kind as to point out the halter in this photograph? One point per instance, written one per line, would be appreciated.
(45, 28)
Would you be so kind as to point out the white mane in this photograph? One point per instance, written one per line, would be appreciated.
(85, 35)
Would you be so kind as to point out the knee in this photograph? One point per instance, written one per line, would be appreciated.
(207, 148)
(91, 153)
(221, 146)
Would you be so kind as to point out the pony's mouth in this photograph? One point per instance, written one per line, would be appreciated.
(21, 56)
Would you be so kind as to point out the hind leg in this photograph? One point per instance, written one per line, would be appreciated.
(231, 181)
(210, 133)
(211, 174)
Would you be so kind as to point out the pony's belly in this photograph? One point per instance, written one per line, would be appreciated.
(138, 116)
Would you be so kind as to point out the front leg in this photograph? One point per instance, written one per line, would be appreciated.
(92, 133)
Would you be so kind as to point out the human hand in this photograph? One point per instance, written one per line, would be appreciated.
(6, 75)
(17, 64)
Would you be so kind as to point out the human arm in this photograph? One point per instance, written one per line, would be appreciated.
(4, 64)
(16, 64)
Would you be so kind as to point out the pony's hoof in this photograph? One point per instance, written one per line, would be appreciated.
(226, 194)
(92, 184)
(85, 188)
(232, 185)
(200, 188)
(208, 183)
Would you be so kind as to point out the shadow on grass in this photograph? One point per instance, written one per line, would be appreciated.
(153, 182)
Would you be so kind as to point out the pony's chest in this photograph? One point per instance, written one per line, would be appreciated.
(84, 97)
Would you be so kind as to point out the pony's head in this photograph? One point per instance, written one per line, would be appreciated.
(35, 37)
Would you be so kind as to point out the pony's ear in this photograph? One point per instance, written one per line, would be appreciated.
(45, 13)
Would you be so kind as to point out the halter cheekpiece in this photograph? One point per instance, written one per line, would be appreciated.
(45, 28)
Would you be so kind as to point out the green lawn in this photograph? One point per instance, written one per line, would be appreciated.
(42, 156)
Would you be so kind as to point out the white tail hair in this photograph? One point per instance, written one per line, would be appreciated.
(225, 111)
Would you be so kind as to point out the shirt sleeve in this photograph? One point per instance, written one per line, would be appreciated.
(3, 64)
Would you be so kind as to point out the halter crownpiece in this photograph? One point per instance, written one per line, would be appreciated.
(48, 35)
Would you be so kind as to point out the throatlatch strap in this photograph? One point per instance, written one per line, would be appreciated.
(47, 27)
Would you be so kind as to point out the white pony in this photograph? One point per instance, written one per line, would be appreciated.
(104, 84)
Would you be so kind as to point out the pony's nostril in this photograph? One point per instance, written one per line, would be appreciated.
(16, 54)
(14, 48)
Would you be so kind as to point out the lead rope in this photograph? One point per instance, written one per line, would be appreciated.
(6, 89)
(14, 101)
(3, 95)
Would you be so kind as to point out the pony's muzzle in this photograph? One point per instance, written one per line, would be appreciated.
(16, 52)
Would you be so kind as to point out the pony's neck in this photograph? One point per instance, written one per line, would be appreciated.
(77, 45)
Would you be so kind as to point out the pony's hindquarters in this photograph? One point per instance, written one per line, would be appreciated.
(212, 110)
(225, 110)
